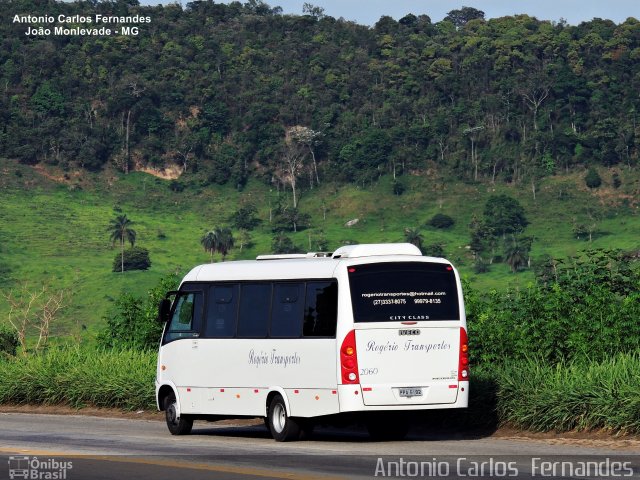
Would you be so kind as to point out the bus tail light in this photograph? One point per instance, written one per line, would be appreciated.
(463, 363)
(349, 359)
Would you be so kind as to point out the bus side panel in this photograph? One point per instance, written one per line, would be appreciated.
(175, 361)
(313, 402)
(234, 376)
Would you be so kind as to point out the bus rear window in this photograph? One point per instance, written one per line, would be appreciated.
(403, 291)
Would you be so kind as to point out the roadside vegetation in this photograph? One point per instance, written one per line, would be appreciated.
(79, 377)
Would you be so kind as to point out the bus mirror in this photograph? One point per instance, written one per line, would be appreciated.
(164, 309)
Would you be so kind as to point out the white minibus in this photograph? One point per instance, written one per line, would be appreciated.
(373, 331)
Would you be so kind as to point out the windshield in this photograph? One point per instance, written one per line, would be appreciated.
(404, 291)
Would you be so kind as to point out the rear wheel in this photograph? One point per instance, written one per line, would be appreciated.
(283, 428)
(177, 425)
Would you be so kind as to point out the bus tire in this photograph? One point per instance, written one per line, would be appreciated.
(177, 426)
(383, 429)
(283, 428)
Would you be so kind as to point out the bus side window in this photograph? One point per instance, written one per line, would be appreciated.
(287, 310)
(222, 308)
(186, 317)
(321, 309)
(253, 315)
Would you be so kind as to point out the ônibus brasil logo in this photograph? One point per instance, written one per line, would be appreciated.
(32, 468)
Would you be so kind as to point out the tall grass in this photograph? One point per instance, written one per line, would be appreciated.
(80, 377)
(575, 396)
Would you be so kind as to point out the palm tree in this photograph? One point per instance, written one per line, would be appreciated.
(413, 236)
(218, 240)
(208, 242)
(225, 241)
(515, 254)
(121, 231)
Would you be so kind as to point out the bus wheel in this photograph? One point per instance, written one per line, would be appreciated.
(283, 428)
(379, 429)
(177, 426)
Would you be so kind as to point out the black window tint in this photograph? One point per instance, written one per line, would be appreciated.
(321, 309)
(186, 316)
(255, 303)
(222, 308)
(287, 309)
(412, 291)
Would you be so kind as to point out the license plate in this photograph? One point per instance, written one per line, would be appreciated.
(410, 392)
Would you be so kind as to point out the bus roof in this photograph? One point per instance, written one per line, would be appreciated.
(300, 266)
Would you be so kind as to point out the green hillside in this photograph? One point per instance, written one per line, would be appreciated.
(236, 104)
(53, 229)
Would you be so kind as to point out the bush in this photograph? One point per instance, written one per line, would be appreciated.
(245, 218)
(583, 309)
(176, 186)
(616, 180)
(8, 341)
(282, 244)
(480, 265)
(504, 214)
(289, 220)
(135, 258)
(132, 322)
(440, 220)
(434, 250)
(398, 187)
(580, 231)
(592, 179)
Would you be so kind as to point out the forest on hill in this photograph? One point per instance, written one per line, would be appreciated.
(225, 92)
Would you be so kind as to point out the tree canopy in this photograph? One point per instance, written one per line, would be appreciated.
(216, 89)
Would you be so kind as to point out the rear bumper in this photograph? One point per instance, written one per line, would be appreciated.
(351, 400)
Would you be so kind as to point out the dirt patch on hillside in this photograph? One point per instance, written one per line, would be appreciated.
(58, 176)
(168, 173)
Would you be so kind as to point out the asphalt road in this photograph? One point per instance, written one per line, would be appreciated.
(81, 447)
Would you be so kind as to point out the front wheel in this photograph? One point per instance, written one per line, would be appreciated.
(282, 427)
(177, 425)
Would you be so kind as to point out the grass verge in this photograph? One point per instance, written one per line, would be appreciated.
(576, 396)
(81, 377)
